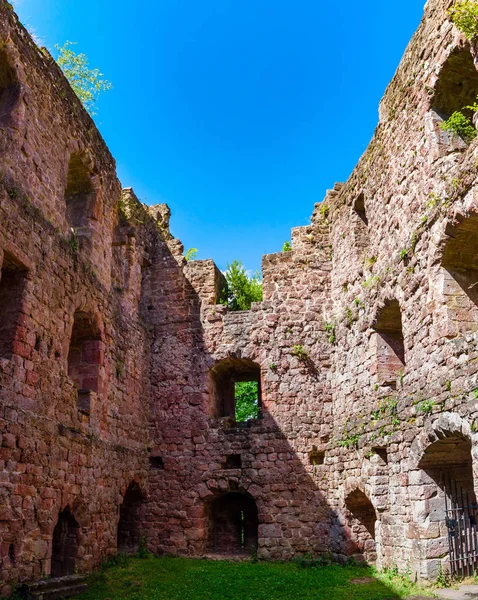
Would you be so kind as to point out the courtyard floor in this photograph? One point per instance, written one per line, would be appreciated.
(171, 578)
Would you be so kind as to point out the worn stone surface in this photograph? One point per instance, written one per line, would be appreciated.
(117, 365)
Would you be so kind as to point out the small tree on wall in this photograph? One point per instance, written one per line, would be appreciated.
(86, 83)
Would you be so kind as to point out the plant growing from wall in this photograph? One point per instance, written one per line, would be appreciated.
(324, 211)
(191, 254)
(426, 406)
(460, 125)
(300, 352)
(86, 83)
(464, 14)
(286, 247)
(330, 329)
(242, 289)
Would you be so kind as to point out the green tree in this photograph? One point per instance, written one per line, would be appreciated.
(86, 83)
(246, 394)
(242, 290)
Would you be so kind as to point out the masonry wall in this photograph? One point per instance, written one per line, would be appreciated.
(113, 348)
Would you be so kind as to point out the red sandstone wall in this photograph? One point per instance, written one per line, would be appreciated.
(160, 334)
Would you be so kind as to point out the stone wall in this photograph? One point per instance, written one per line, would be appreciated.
(117, 363)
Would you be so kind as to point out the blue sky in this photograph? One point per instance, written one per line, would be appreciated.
(238, 114)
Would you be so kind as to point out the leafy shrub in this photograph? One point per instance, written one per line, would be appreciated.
(459, 125)
(464, 14)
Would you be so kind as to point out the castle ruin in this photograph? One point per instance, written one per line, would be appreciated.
(118, 365)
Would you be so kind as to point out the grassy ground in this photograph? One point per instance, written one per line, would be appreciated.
(189, 579)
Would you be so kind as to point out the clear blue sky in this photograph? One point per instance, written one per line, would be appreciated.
(238, 114)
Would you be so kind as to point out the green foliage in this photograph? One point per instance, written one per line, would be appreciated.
(444, 579)
(371, 282)
(286, 247)
(460, 125)
(350, 441)
(426, 406)
(324, 211)
(370, 260)
(404, 254)
(246, 394)
(191, 254)
(73, 242)
(300, 352)
(464, 14)
(143, 551)
(169, 578)
(242, 290)
(86, 83)
(330, 329)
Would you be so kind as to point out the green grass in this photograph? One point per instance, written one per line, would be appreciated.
(196, 579)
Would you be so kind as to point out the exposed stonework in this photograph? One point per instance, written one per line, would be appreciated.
(115, 360)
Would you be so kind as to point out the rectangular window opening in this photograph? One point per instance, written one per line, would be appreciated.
(233, 461)
(156, 462)
(12, 285)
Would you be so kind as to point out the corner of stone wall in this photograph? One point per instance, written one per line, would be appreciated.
(206, 279)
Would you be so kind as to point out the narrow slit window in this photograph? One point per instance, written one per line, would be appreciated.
(12, 286)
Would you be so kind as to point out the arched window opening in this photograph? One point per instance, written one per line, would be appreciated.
(9, 89)
(12, 285)
(389, 345)
(65, 544)
(361, 521)
(80, 195)
(359, 209)
(460, 286)
(129, 524)
(457, 85)
(235, 387)
(85, 357)
(447, 481)
(232, 524)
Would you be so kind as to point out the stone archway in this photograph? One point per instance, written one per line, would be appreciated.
(129, 526)
(65, 544)
(441, 473)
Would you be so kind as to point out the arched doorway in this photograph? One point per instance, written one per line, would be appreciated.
(361, 521)
(450, 511)
(129, 530)
(232, 524)
(65, 544)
